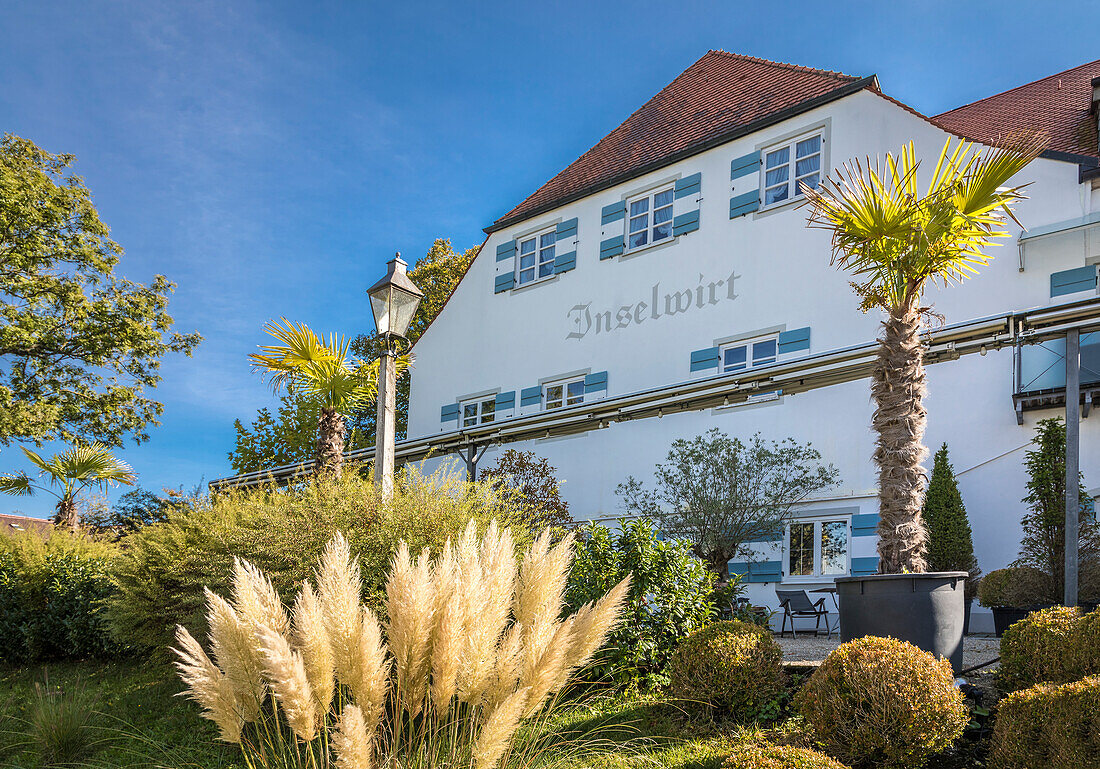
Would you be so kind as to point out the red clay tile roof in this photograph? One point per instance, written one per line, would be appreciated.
(10, 524)
(719, 97)
(1058, 104)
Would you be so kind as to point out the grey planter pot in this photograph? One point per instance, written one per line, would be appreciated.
(927, 610)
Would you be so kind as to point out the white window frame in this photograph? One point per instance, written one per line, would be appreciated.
(565, 400)
(791, 145)
(481, 414)
(818, 522)
(650, 228)
(749, 345)
(540, 256)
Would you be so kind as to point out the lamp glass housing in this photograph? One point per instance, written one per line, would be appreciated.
(393, 309)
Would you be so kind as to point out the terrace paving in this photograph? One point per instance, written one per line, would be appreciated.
(809, 650)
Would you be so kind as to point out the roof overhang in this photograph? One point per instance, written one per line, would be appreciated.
(777, 117)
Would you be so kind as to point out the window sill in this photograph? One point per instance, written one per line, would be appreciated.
(535, 283)
(776, 207)
(649, 247)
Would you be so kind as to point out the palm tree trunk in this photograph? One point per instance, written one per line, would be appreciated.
(898, 389)
(66, 515)
(331, 433)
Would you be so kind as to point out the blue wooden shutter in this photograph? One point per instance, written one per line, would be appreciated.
(505, 275)
(530, 396)
(794, 341)
(745, 184)
(704, 360)
(449, 413)
(506, 401)
(685, 204)
(1072, 281)
(595, 385)
(758, 571)
(565, 240)
(864, 525)
(613, 229)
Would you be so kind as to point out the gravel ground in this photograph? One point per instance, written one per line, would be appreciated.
(811, 650)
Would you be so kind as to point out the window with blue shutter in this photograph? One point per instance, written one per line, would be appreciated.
(505, 274)
(685, 206)
(705, 360)
(864, 526)
(744, 184)
(566, 237)
(1072, 281)
(613, 230)
(595, 386)
(448, 414)
(758, 571)
(796, 340)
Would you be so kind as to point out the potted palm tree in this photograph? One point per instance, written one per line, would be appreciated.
(72, 471)
(894, 241)
(323, 371)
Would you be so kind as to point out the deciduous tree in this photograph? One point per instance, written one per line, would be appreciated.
(534, 479)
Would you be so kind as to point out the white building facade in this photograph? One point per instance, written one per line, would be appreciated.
(677, 249)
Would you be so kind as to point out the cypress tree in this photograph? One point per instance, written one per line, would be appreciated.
(950, 544)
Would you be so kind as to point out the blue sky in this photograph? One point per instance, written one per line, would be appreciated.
(269, 157)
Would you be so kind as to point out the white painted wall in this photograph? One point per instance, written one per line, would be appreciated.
(484, 342)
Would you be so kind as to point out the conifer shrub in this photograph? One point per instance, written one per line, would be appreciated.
(164, 567)
(53, 593)
(756, 756)
(1055, 645)
(729, 670)
(884, 703)
(950, 543)
(1053, 726)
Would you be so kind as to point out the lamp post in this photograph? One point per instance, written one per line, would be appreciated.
(393, 302)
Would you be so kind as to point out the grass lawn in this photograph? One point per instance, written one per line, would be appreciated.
(141, 723)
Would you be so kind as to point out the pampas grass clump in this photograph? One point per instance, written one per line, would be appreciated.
(473, 645)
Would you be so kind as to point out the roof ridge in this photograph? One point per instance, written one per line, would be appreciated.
(785, 65)
(1018, 87)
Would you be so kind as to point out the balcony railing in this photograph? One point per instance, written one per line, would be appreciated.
(1040, 371)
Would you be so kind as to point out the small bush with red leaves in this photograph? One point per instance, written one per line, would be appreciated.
(879, 702)
(755, 756)
(729, 670)
(1049, 726)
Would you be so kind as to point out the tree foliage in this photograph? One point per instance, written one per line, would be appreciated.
(720, 494)
(1043, 545)
(288, 436)
(950, 543)
(79, 345)
(533, 479)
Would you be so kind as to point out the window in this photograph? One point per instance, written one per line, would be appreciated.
(650, 219)
(478, 412)
(817, 548)
(738, 356)
(535, 257)
(561, 394)
(790, 165)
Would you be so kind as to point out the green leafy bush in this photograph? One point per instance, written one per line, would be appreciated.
(52, 597)
(755, 756)
(670, 596)
(1019, 586)
(729, 669)
(1050, 726)
(164, 567)
(1055, 645)
(879, 702)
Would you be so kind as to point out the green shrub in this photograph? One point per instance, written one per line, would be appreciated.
(1019, 586)
(729, 669)
(52, 597)
(1049, 726)
(879, 702)
(754, 756)
(164, 567)
(950, 543)
(1055, 645)
(670, 596)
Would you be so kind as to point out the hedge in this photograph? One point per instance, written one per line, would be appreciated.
(1052, 726)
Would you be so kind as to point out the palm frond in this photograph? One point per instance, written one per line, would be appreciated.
(17, 485)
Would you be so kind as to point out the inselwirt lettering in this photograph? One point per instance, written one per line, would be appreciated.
(583, 321)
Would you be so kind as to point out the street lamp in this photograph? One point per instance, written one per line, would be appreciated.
(393, 302)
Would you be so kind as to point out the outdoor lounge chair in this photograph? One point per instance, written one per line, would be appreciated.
(797, 604)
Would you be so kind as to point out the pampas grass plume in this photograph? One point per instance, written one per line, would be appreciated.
(499, 728)
(448, 634)
(286, 675)
(352, 742)
(236, 654)
(338, 586)
(208, 686)
(311, 639)
(369, 688)
(255, 599)
(410, 607)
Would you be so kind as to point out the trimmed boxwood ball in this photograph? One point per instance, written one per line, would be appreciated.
(884, 703)
(729, 670)
(1055, 645)
(1049, 726)
(780, 757)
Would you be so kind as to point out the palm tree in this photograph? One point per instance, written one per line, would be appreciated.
(894, 242)
(322, 371)
(73, 470)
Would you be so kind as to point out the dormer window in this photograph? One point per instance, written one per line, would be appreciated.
(788, 166)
